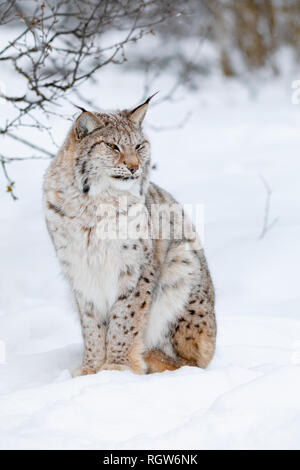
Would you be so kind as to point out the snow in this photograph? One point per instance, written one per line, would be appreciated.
(248, 398)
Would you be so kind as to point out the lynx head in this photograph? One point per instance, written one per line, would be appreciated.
(111, 151)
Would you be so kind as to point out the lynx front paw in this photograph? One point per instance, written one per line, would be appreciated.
(84, 370)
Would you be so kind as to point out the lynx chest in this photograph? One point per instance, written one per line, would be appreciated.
(96, 265)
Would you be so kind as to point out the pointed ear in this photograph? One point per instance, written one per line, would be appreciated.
(137, 114)
(85, 124)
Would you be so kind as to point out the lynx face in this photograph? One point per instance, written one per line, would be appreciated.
(111, 151)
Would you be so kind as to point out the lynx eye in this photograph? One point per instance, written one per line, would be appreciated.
(138, 146)
(113, 147)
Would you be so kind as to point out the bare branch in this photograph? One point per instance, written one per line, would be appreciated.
(267, 224)
(10, 184)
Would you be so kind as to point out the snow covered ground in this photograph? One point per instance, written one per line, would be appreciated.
(249, 397)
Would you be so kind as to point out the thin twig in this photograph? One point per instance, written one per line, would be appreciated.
(10, 183)
(267, 224)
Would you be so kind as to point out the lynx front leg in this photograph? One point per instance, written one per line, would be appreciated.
(93, 332)
(125, 336)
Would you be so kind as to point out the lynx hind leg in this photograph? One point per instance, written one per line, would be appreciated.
(193, 345)
(194, 335)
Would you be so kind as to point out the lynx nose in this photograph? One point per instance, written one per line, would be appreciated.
(132, 164)
(131, 161)
(133, 168)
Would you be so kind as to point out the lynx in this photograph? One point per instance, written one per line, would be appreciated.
(146, 303)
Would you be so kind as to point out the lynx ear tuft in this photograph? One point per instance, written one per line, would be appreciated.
(138, 114)
(85, 124)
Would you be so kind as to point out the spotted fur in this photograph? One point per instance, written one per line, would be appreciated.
(145, 305)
